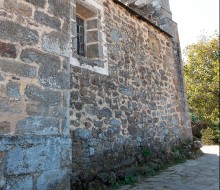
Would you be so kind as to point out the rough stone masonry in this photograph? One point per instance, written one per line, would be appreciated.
(66, 117)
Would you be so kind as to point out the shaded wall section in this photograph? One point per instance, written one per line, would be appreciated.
(35, 146)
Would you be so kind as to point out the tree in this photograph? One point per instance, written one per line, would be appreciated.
(202, 78)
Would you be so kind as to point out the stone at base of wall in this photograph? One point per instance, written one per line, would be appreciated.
(39, 163)
(147, 163)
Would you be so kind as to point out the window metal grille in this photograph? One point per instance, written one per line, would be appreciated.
(80, 36)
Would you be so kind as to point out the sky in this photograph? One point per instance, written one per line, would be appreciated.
(195, 17)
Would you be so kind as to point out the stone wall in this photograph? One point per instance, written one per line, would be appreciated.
(35, 145)
(141, 105)
(128, 98)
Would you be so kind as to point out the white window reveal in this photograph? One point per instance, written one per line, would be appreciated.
(89, 40)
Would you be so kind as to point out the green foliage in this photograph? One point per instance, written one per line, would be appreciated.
(194, 118)
(146, 153)
(116, 185)
(216, 133)
(130, 179)
(202, 78)
(207, 136)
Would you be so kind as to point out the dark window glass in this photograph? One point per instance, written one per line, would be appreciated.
(80, 36)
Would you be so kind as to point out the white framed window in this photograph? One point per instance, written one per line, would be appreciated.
(89, 39)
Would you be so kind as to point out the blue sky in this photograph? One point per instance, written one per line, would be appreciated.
(195, 17)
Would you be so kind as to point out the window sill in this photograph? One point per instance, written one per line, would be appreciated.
(95, 65)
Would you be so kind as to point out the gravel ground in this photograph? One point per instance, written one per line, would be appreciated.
(200, 174)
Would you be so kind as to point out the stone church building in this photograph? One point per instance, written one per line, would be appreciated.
(85, 87)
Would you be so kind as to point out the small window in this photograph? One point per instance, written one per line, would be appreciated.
(89, 49)
(80, 36)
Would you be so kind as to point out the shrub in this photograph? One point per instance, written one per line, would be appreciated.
(208, 136)
(198, 127)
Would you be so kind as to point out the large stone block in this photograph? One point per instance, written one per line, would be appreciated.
(38, 3)
(52, 78)
(55, 179)
(17, 68)
(47, 20)
(36, 109)
(45, 97)
(13, 89)
(19, 183)
(32, 158)
(56, 42)
(16, 33)
(49, 74)
(59, 8)
(58, 112)
(38, 126)
(18, 8)
(44, 59)
(11, 107)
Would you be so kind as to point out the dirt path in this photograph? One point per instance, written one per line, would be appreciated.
(200, 174)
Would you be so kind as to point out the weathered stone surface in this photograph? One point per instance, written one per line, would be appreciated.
(7, 50)
(15, 183)
(49, 75)
(56, 42)
(106, 112)
(74, 95)
(115, 122)
(1, 77)
(92, 110)
(59, 8)
(113, 118)
(44, 59)
(36, 109)
(2, 161)
(18, 8)
(93, 51)
(47, 20)
(10, 107)
(45, 97)
(98, 123)
(16, 33)
(51, 78)
(58, 112)
(82, 134)
(38, 126)
(92, 24)
(4, 128)
(114, 35)
(13, 89)
(55, 179)
(92, 36)
(38, 3)
(17, 68)
(152, 106)
(24, 160)
(78, 105)
(127, 90)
